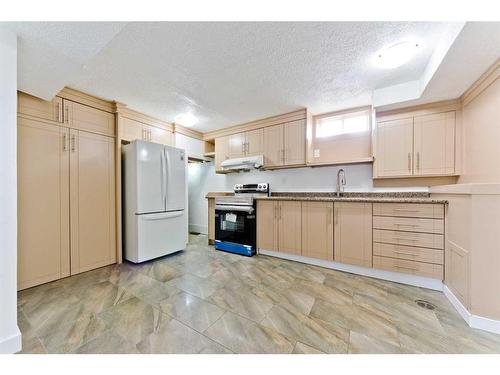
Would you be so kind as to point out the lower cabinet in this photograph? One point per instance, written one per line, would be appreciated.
(279, 226)
(289, 227)
(317, 230)
(66, 202)
(267, 225)
(353, 233)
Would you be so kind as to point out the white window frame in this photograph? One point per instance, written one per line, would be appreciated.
(343, 115)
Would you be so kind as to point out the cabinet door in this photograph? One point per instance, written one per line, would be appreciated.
(132, 130)
(82, 117)
(290, 227)
(254, 142)
(236, 146)
(30, 105)
(92, 201)
(211, 221)
(394, 148)
(295, 142)
(267, 225)
(273, 146)
(317, 230)
(161, 136)
(434, 144)
(43, 203)
(221, 151)
(353, 233)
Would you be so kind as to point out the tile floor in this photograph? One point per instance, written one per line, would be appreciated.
(206, 301)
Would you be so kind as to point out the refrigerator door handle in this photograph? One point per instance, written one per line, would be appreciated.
(163, 187)
(164, 175)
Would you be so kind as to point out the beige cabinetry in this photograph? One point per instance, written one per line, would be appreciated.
(43, 202)
(409, 238)
(394, 148)
(66, 193)
(289, 227)
(434, 144)
(92, 201)
(317, 230)
(353, 233)
(273, 146)
(32, 106)
(221, 152)
(249, 143)
(211, 221)
(416, 146)
(279, 226)
(133, 129)
(285, 144)
(267, 225)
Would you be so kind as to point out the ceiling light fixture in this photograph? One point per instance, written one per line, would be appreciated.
(186, 119)
(396, 55)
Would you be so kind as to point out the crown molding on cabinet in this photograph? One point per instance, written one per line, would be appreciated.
(300, 114)
(86, 99)
(419, 110)
(188, 132)
(490, 76)
(123, 111)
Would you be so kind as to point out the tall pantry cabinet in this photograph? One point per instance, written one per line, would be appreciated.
(66, 189)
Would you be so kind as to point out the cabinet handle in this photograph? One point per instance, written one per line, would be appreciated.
(418, 160)
(66, 114)
(65, 142)
(409, 162)
(143, 134)
(406, 268)
(57, 113)
(336, 216)
(279, 212)
(275, 211)
(409, 254)
(329, 213)
(73, 143)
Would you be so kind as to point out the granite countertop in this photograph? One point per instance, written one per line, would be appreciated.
(373, 197)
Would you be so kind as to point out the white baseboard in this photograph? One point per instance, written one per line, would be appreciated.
(196, 228)
(423, 282)
(474, 321)
(11, 344)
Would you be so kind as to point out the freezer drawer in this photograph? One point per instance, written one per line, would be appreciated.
(158, 234)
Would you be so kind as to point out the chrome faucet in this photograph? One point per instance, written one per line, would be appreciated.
(341, 181)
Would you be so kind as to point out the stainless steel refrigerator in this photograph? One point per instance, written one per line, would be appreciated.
(154, 200)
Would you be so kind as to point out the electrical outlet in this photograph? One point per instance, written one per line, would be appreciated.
(316, 153)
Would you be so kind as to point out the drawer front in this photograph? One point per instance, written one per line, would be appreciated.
(409, 224)
(419, 254)
(423, 210)
(435, 241)
(434, 271)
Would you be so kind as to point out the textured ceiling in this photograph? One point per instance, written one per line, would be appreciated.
(227, 73)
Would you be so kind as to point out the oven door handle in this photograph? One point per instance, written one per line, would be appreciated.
(234, 208)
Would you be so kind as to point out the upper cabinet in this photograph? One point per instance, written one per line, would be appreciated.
(434, 144)
(415, 146)
(285, 144)
(221, 152)
(247, 143)
(394, 148)
(32, 106)
(132, 129)
(82, 117)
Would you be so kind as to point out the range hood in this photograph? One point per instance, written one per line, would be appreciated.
(243, 164)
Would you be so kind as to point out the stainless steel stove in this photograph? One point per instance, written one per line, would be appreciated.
(235, 219)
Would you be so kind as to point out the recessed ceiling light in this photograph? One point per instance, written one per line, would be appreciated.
(396, 55)
(186, 119)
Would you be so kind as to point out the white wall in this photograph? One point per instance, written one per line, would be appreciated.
(202, 179)
(10, 337)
